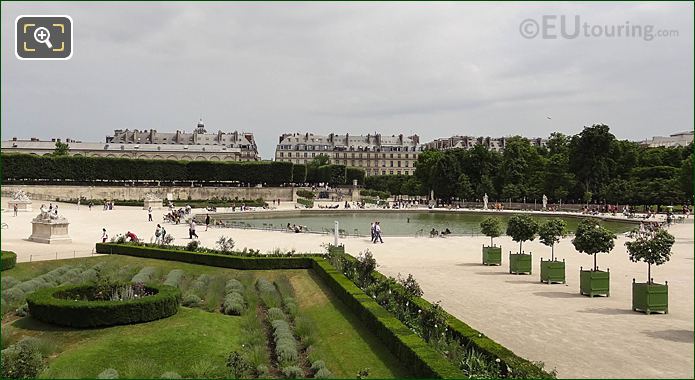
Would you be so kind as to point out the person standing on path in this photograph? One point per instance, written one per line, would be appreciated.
(372, 230)
(15, 208)
(377, 233)
(207, 221)
(158, 234)
(78, 204)
(191, 229)
(149, 214)
(104, 235)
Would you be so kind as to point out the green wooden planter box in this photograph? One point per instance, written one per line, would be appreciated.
(594, 283)
(492, 255)
(649, 298)
(519, 263)
(553, 271)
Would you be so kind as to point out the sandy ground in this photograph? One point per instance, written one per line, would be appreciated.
(579, 336)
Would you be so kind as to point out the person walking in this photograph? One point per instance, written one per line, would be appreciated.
(104, 235)
(191, 230)
(372, 229)
(15, 208)
(207, 221)
(78, 204)
(90, 205)
(149, 214)
(377, 233)
(158, 234)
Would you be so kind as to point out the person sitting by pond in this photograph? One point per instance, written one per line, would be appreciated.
(446, 232)
(434, 232)
(131, 236)
(296, 229)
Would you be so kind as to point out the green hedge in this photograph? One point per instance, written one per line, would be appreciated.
(383, 195)
(46, 305)
(299, 173)
(410, 349)
(8, 260)
(518, 366)
(79, 168)
(205, 258)
(305, 194)
(306, 202)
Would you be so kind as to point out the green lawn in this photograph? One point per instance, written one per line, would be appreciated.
(196, 341)
(340, 339)
(192, 340)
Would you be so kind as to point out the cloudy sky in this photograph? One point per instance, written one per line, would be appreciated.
(434, 69)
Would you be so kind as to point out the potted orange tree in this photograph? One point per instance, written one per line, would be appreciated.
(521, 228)
(652, 249)
(549, 233)
(591, 238)
(492, 255)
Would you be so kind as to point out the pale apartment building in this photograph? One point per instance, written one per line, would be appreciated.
(496, 144)
(376, 154)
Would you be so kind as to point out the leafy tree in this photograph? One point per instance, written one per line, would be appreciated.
(320, 160)
(366, 264)
(550, 232)
(591, 156)
(410, 285)
(465, 189)
(591, 238)
(652, 249)
(686, 177)
(491, 227)
(522, 228)
(444, 177)
(61, 149)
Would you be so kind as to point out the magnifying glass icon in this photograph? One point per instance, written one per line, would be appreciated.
(42, 36)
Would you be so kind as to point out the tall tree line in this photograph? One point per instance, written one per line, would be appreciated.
(592, 166)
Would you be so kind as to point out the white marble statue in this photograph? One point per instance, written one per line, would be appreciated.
(485, 201)
(20, 195)
(152, 197)
(545, 202)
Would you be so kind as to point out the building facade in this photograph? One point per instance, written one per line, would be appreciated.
(468, 142)
(196, 146)
(375, 154)
(674, 140)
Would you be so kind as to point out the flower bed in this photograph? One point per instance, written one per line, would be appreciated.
(9, 260)
(85, 306)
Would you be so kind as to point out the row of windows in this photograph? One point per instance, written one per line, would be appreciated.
(352, 155)
(351, 148)
(354, 163)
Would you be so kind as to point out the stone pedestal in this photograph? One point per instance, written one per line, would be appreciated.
(155, 204)
(50, 232)
(22, 206)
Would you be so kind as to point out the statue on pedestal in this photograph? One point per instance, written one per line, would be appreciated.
(485, 201)
(545, 202)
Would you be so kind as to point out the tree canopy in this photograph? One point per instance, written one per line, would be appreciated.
(522, 228)
(591, 238)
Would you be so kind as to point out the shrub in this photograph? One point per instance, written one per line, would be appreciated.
(237, 364)
(262, 371)
(166, 240)
(305, 202)
(8, 260)
(199, 286)
(8, 281)
(234, 285)
(317, 365)
(275, 314)
(22, 311)
(191, 300)
(170, 375)
(292, 372)
(145, 275)
(65, 306)
(192, 245)
(108, 373)
(225, 244)
(267, 292)
(323, 373)
(21, 361)
(233, 304)
(290, 306)
(305, 194)
(14, 294)
(174, 278)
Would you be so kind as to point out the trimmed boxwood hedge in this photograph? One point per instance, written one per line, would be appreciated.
(512, 365)
(206, 258)
(8, 259)
(46, 307)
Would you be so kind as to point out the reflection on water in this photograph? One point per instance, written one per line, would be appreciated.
(401, 224)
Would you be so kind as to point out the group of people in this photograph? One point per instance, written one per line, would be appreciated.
(376, 232)
(435, 233)
(108, 205)
(296, 228)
